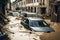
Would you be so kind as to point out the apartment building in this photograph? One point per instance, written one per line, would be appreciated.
(8, 4)
(16, 4)
(23, 4)
(44, 7)
(55, 9)
(37, 6)
(13, 6)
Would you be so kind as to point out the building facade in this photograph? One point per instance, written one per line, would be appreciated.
(37, 6)
(41, 7)
(16, 4)
(13, 6)
(55, 9)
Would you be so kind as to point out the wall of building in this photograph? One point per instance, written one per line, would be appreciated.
(37, 4)
(34, 5)
(13, 6)
(55, 15)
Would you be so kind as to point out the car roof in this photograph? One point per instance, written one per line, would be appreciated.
(24, 11)
(34, 18)
(30, 13)
(14, 12)
(27, 12)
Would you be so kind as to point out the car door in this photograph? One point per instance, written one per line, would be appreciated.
(26, 23)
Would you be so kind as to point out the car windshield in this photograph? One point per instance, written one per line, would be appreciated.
(38, 24)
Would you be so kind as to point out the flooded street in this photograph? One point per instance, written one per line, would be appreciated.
(54, 35)
(29, 19)
(16, 31)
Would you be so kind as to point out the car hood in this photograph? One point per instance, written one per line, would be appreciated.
(42, 29)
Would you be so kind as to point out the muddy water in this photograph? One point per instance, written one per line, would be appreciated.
(18, 32)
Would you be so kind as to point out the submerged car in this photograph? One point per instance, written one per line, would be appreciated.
(23, 13)
(19, 11)
(14, 14)
(28, 14)
(37, 25)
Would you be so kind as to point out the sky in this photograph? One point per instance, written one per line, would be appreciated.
(12, 1)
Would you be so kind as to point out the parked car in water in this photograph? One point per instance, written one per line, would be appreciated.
(19, 11)
(10, 11)
(36, 24)
(28, 14)
(15, 14)
(22, 13)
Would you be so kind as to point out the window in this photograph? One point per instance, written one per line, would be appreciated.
(37, 0)
(43, 10)
(34, 1)
(40, 2)
(31, 1)
(31, 9)
(28, 8)
(43, 2)
(56, 9)
(38, 23)
(34, 9)
(24, 3)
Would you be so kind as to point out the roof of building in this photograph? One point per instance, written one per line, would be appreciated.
(28, 12)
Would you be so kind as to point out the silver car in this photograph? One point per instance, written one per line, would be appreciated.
(15, 14)
(28, 14)
(37, 25)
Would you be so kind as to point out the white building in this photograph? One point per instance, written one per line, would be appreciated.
(37, 6)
